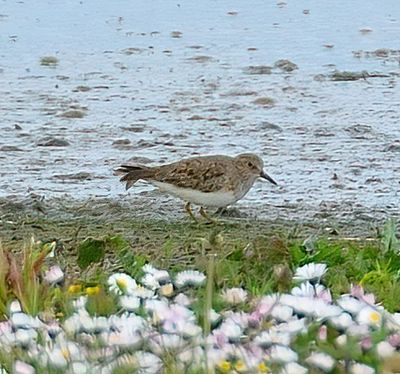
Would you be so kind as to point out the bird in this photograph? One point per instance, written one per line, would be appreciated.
(208, 181)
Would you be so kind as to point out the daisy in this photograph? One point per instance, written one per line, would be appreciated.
(182, 299)
(282, 354)
(310, 272)
(54, 275)
(234, 296)
(230, 330)
(385, 349)
(321, 361)
(350, 304)
(141, 292)
(309, 290)
(342, 321)
(14, 307)
(121, 283)
(294, 368)
(358, 292)
(361, 369)
(129, 303)
(148, 362)
(155, 279)
(369, 316)
(21, 367)
(323, 310)
(268, 338)
(282, 313)
(189, 278)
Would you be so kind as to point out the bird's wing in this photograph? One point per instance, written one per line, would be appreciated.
(201, 174)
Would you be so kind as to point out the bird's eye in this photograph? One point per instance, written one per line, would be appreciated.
(250, 164)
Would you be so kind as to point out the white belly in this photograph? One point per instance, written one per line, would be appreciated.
(206, 199)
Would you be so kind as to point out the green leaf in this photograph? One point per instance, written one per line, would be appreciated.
(90, 251)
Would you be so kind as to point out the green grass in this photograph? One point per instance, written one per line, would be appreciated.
(250, 254)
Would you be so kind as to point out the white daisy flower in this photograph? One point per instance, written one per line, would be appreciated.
(294, 368)
(129, 303)
(149, 363)
(234, 296)
(342, 321)
(23, 321)
(121, 283)
(369, 316)
(189, 278)
(148, 268)
(54, 275)
(385, 349)
(182, 299)
(294, 326)
(350, 304)
(308, 290)
(79, 368)
(282, 354)
(266, 304)
(21, 367)
(155, 279)
(125, 338)
(80, 303)
(341, 340)
(268, 338)
(161, 343)
(321, 361)
(282, 313)
(323, 310)
(141, 292)
(150, 281)
(14, 307)
(25, 337)
(231, 330)
(361, 369)
(310, 272)
(214, 317)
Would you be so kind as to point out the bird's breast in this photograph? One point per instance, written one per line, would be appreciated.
(207, 199)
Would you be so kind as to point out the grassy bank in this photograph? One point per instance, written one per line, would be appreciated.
(257, 255)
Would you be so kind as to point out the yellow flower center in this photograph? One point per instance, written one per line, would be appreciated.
(240, 366)
(224, 366)
(91, 291)
(65, 353)
(375, 317)
(74, 288)
(262, 368)
(122, 284)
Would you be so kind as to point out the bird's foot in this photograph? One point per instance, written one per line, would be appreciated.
(207, 217)
(188, 209)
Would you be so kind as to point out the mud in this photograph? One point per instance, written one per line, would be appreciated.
(123, 82)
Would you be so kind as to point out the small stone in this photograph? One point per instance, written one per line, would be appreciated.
(257, 70)
(10, 148)
(49, 141)
(73, 114)
(285, 65)
(48, 61)
(176, 34)
(264, 101)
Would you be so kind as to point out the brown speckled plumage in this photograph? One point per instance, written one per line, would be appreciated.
(206, 174)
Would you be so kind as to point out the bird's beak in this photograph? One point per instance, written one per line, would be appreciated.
(267, 177)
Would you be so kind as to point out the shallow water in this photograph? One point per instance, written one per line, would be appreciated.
(171, 80)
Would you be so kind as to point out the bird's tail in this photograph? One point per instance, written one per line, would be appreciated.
(132, 173)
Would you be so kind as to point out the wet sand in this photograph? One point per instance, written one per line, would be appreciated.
(311, 87)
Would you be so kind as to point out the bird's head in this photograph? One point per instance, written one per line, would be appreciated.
(250, 163)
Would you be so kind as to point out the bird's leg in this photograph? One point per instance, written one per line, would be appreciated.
(206, 216)
(189, 210)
